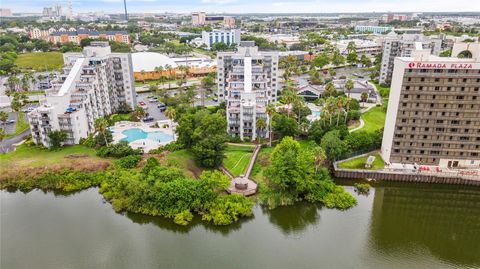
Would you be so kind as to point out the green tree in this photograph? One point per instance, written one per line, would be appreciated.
(260, 124)
(333, 145)
(56, 138)
(101, 126)
(364, 97)
(349, 86)
(285, 126)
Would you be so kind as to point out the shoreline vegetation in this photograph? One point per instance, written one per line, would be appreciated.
(161, 185)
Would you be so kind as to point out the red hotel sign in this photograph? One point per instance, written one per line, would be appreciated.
(441, 65)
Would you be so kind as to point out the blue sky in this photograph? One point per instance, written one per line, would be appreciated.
(249, 6)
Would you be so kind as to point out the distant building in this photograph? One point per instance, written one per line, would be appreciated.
(361, 46)
(433, 109)
(5, 12)
(76, 36)
(373, 29)
(247, 82)
(94, 84)
(402, 46)
(200, 19)
(220, 36)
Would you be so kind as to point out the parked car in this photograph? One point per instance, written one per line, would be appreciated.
(147, 119)
(142, 103)
(152, 100)
(10, 121)
(162, 107)
(215, 99)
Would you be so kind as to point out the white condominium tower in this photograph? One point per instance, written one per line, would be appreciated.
(402, 46)
(433, 114)
(247, 82)
(94, 84)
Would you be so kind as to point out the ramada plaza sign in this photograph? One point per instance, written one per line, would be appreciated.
(440, 65)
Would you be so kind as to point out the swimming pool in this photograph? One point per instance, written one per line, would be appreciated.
(316, 114)
(137, 134)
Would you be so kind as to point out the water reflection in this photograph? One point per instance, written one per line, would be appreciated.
(169, 225)
(444, 220)
(294, 219)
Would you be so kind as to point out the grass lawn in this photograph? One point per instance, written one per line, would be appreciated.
(20, 125)
(32, 156)
(237, 158)
(183, 160)
(263, 160)
(120, 117)
(359, 163)
(374, 119)
(40, 61)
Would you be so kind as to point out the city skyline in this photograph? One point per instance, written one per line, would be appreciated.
(249, 6)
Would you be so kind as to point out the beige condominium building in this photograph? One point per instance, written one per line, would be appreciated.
(94, 84)
(247, 82)
(433, 115)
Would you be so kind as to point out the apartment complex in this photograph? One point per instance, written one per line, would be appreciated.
(93, 84)
(402, 46)
(373, 29)
(247, 82)
(228, 37)
(200, 19)
(433, 115)
(71, 34)
(78, 35)
(5, 12)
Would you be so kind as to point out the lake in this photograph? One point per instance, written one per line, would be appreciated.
(395, 226)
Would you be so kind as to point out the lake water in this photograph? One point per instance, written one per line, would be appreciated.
(395, 226)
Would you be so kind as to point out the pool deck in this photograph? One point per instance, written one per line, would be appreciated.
(145, 144)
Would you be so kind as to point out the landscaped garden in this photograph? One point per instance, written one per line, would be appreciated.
(237, 158)
(359, 163)
(374, 119)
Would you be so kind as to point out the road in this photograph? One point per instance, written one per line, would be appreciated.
(8, 144)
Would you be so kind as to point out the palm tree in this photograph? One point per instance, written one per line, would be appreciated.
(349, 87)
(171, 113)
(139, 112)
(101, 125)
(3, 134)
(12, 83)
(330, 106)
(159, 69)
(3, 117)
(320, 157)
(260, 124)
(340, 101)
(142, 72)
(364, 97)
(288, 97)
(330, 89)
(270, 111)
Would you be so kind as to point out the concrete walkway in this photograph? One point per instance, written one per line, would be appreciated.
(243, 184)
(362, 122)
(9, 143)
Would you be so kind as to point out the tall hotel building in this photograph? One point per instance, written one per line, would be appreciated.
(247, 82)
(94, 84)
(403, 46)
(433, 115)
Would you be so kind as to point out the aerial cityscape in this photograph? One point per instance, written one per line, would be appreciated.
(239, 134)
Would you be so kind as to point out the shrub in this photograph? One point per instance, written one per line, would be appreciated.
(89, 141)
(128, 162)
(362, 188)
(118, 150)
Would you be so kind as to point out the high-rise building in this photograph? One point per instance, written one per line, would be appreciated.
(247, 82)
(94, 84)
(228, 37)
(433, 115)
(5, 12)
(198, 18)
(402, 46)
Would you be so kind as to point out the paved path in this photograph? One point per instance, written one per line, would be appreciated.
(362, 122)
(9, 143)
